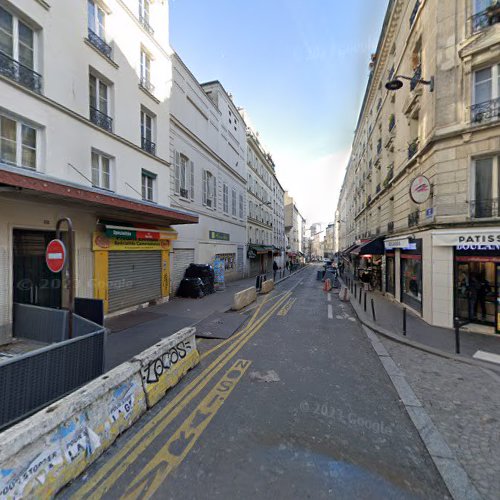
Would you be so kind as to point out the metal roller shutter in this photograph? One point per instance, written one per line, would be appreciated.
(134, 278)
(181, 260)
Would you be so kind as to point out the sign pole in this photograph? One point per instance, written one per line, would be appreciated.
(71, 281)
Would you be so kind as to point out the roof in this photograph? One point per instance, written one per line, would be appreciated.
(40, 187)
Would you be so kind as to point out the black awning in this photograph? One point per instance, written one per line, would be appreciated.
(348, 249)
(374, 247)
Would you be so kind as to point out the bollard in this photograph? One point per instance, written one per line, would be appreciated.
(457, 335)
(360, 294)
(373, 310)
(365, 301)
(404, 321)
(355, 291)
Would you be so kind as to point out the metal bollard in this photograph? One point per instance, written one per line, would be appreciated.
(404, 321)
(365, 301)
(355, 291)
(373, 310)
(457, 335)
(360, 294)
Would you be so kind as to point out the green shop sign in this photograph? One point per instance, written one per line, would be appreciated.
(215, 235)
(123, 234)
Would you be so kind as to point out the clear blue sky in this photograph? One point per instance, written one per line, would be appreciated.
(299, 67)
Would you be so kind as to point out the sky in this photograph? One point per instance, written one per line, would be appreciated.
(299, 68)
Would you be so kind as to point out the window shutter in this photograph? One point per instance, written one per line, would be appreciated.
(214, 180)
(191, 178)
(177, 172)
(204, 182)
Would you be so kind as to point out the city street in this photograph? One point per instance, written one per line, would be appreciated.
(296, 404)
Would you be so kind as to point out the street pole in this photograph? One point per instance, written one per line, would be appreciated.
(404, 321)
(457, 335)
(71, 281)
(373, 310)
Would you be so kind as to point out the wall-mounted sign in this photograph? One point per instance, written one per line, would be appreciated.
(391, 244)
(478, 247)
(429, 213)
(139, 234)
(101, 241)
(456, 238)
(215, 235)
(251, 254)
(420, 189)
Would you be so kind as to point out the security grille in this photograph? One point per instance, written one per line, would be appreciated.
(134, 278)
(181, 259)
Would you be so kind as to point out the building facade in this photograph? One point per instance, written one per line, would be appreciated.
(266, 216)
(79, 138)
(419, 204)
(329, 241)
(208, 151)
(295, 231)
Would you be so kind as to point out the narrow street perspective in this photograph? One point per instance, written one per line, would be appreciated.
(250, 250)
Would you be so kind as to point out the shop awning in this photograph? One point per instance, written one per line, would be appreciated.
(132, 231)
(43, 188)
(354, 250)
(348, 249)
(373, 247)
(261, 249)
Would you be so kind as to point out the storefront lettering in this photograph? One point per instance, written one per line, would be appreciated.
(479, 238)
(478, 247)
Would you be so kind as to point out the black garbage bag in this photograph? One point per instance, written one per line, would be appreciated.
(191, 287)
(206, 273)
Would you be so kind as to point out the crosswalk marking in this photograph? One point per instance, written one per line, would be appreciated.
(330, 311)
(487, 356)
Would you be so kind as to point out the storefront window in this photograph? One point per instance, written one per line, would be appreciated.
(411, 275)
(390, 275)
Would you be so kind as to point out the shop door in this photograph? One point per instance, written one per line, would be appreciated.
(134, 278)
(34, 283)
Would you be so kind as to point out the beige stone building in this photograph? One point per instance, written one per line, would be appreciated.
(419, 207)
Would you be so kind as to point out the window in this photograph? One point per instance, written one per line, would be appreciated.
(486, 187)
(184, 176)
(233, 202)
(241, 206)
(209, 189)
(486, 98)
(99, 103)
(101, 171)
(96, 17)
(144, 15)
(146, 71)
(147, 133)
(225, 198)
(148, 185)
(17, 143)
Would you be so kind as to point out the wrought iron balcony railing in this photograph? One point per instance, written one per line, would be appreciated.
(485, 18)
(101, 119)
(390, 227)
(485, 111)
(485, 208)
(417, 76)
(100, 44)
(145, 24)
(148, 145)
(21, 74)
(412, 149)
(414, 13)
(147, 85)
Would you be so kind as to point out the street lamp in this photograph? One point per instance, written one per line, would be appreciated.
(396, 83)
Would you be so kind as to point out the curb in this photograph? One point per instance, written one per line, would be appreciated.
(417, 345)
(453, 474)
(43, 453)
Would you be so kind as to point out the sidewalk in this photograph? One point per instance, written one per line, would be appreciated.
(389, 316)
(134, 332)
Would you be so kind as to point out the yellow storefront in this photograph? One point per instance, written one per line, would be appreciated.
(131, 266)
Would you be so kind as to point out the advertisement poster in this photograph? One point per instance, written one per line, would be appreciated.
(219, 274)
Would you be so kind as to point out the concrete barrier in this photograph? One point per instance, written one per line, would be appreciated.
(46, 451)
(164, 364)
(244, 298)
(267, 286)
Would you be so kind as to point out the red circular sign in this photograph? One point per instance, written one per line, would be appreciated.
(55, 255)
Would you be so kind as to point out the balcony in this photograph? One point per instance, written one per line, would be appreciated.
(486, 18)
(416, 77)
(21, 74)
(412, 149)
(379, 146)
(481, 209)
(144, 20)
(148, 146)
(413, 218)
(391, 73)
(392, 122)
(485, 111)
(100, 119)
(414, 12)
(389, 176)
(100, 44)
(147, 85)
(390, 227)
(378, 188)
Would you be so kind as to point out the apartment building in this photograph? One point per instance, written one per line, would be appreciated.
(85, 89)
(419, 204)
(295, 231)
(208, 150)
(329, 241)
(266, 216)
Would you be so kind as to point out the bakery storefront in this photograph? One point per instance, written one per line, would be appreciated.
(476, 276)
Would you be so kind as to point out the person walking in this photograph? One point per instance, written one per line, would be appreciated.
(275, 268)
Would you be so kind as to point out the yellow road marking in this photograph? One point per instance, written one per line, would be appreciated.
(284, 310)
(138, 443)
(175, 450)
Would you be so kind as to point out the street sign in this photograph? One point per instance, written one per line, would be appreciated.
(55, 255)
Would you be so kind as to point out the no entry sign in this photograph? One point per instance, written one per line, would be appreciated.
(55, 255)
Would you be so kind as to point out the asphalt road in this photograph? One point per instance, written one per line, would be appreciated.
(297, 405)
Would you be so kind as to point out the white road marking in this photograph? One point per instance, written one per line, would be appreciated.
(329, 297)
(330, 311)
(487, 356)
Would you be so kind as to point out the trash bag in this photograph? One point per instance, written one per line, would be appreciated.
(204, 272)
(191, 287)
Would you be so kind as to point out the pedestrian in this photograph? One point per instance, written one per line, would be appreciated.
(275, 268)
(287, 265)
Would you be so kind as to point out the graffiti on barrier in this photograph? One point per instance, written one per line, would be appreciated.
(155, 368)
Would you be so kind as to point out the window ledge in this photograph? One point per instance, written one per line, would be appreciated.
(96, 50)
(149, 94)
(44, 4)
